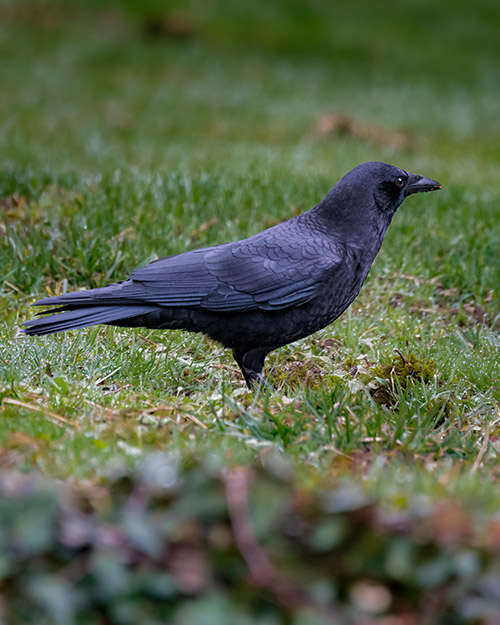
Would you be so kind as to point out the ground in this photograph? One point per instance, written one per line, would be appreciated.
(132, 132)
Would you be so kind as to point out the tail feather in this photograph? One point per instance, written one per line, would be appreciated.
(83, 317)
(82, 298)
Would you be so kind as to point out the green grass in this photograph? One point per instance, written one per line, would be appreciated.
(117, 148)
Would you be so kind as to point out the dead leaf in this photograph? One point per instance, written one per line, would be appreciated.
(338, 125)
(175, 26)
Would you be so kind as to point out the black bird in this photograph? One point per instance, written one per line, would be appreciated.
(262, 292)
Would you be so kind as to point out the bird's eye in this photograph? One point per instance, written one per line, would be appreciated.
(400, 181)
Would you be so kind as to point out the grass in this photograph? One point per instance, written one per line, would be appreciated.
(118, 148)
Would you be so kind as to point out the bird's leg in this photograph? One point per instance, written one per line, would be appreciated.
(251, 364)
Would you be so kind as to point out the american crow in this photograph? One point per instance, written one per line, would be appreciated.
(262, 292)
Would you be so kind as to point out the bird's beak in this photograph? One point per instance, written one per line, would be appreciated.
(417, 184)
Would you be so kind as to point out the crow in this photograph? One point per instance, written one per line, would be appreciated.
(263, 292)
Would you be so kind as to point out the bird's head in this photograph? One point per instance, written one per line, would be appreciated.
(367, 197)
(388, 185)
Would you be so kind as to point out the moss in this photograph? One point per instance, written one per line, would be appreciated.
(402, 371)
(297, 374)
(442, 408)
(406, 368)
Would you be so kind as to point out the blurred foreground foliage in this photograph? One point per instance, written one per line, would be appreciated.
(190, 543)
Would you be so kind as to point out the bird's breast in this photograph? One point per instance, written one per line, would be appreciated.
(344, 283)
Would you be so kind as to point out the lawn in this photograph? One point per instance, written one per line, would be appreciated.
(130, 131)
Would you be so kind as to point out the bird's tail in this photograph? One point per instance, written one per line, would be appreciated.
(83, 317)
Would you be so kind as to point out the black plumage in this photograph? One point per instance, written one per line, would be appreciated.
(262, 292)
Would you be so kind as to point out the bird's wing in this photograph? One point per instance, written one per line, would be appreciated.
(259, 272)
(266, 274)
(246, 275)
